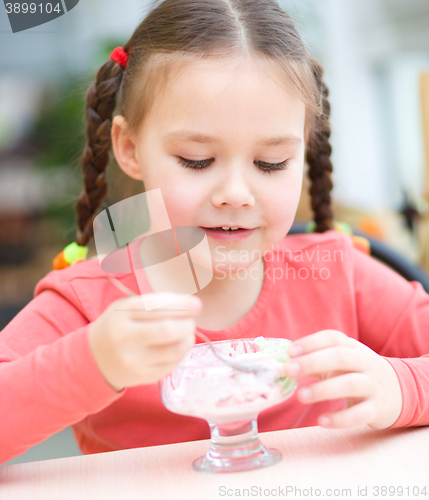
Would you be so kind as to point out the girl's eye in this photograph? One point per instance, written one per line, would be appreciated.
(196, 165)
(201, 164)
(269, 167)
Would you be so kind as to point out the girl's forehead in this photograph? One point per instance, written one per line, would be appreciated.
(227, 88)
(231, 69)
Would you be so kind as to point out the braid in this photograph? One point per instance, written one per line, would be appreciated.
(318, 153)
(100, 104)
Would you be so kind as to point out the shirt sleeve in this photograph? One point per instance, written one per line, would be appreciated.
(48, 376)
(393, 320)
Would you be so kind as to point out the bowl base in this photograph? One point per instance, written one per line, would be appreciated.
(270, 456)
(236, 447)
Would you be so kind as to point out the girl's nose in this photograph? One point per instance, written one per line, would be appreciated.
(233, 189)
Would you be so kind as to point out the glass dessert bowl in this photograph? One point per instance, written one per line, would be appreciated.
(230, 400)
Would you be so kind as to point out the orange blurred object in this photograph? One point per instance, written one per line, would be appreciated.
(60, 262)
(371, 227)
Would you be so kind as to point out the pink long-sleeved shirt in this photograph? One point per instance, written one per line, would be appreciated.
(50, 380)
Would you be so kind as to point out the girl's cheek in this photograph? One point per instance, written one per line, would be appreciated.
(182, 205)
(283, 202)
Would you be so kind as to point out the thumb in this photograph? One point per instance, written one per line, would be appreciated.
(179, 301)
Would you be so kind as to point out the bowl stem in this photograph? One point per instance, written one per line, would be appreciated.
(235, 447)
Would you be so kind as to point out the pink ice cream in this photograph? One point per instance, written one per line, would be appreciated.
(205, 387)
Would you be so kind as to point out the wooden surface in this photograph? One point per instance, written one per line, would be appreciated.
(313, 457)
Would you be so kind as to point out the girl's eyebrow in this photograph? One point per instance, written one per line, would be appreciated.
(189, 136)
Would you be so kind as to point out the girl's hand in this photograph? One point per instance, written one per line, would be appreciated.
(347, 369)
(132, 346)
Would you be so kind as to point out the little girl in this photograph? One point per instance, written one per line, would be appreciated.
(218, 106)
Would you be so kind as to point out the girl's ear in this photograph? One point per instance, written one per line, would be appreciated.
(124, 148)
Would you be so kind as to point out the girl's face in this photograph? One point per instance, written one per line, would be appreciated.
(244, 134)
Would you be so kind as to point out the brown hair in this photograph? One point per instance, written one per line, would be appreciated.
(176, 32)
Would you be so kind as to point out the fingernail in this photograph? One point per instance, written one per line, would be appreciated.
(324, 421)
(293, 368)
(305, 393)
(295, 350)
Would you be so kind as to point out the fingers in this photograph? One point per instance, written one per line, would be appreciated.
(323, 354)
(360, 414)
(179, 305)
(320, 340)
(163, 332)
(350, 385)
(336, 359)
(132, 346)
(347, 369)
(170, 354)
(159, 363)
(145, 357)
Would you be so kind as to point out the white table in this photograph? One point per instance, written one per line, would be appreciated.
(314, 459)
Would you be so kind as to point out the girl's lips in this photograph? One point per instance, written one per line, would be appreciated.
(231, 236)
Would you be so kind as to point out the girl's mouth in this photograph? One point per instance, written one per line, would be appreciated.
(228, 234)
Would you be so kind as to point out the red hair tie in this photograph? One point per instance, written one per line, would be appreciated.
(120, 56)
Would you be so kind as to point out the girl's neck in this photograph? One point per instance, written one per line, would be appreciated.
(226, 301)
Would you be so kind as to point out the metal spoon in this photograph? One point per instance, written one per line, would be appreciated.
(237, 365)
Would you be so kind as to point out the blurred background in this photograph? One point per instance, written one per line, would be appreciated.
(376, 55)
